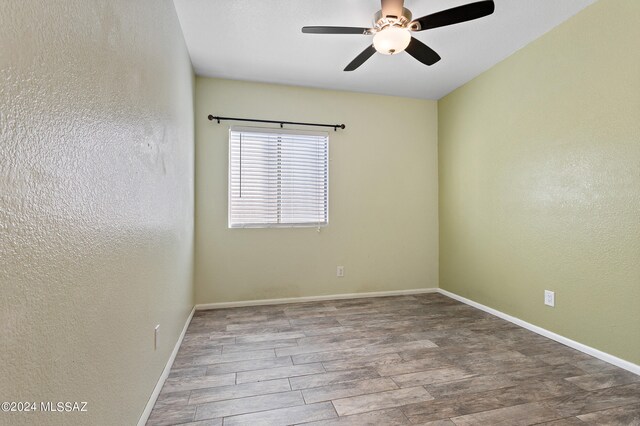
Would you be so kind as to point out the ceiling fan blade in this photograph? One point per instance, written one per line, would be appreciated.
(422, 52)
(454, 15)
(392, 7)
(336, 30)
(361, 58)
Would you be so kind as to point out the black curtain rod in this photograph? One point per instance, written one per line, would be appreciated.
(281, 123)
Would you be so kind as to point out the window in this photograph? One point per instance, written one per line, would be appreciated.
(278, 178)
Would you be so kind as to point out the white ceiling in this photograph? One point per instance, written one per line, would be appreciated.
(260, 40)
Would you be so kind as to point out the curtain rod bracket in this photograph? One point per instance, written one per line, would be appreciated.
(281, 123)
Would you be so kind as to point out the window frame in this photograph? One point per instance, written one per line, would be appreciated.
(258, 225)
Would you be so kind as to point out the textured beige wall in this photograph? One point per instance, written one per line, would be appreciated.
(96, 203)
(382, 197)
(540, 181)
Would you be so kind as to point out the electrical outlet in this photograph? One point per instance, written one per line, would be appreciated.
(155, 337)
(549, 298)
(340, 271)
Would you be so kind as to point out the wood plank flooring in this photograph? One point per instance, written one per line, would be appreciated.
(423, 359)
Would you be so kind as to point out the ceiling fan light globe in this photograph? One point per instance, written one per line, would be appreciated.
(391, 40)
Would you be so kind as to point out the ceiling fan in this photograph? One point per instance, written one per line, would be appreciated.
(393, 25)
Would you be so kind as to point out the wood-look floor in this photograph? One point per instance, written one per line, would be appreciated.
(424, 359)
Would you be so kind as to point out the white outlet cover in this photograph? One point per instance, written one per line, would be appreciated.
(549, 298)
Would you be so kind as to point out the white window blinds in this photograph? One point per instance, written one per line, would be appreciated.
(278, 178)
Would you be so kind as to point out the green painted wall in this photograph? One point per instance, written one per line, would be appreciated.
(96, 205)
(383, 197)
(539, 162)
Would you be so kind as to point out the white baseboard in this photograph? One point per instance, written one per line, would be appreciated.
(205, 306)
(165, 373)
(634, 368)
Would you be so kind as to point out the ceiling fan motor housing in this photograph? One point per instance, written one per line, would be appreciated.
(380, 22)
